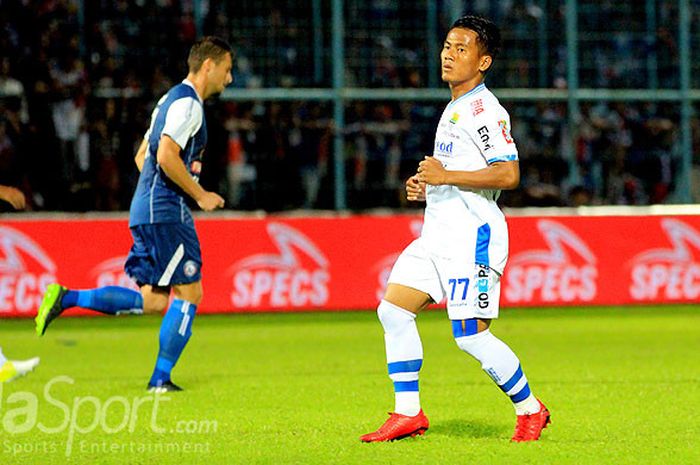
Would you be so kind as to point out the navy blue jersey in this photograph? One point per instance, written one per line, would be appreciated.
(179, 114)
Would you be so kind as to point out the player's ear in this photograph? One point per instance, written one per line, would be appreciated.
(485, 64)
(207, 64)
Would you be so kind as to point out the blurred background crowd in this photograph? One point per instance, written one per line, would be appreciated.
(78, 81)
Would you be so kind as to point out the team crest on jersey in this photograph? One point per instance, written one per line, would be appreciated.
(455, 118)
(477, 107)
(503, 124)
(190, 268)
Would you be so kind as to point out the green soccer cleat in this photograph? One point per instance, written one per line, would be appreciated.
(50, 307)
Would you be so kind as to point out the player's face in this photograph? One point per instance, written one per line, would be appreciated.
(220, 74)
(461, 57)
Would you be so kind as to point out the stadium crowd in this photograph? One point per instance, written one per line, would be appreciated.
(76, 85)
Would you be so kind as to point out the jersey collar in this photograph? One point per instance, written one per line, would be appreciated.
(189, 83)
(475, 90)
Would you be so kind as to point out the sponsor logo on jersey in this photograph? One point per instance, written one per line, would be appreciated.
(25, 271)
(668, 274)
(564, 272)
(477, 106)
(505, 130)
(483, 132)
(455, 118)
(482, 286)
(110, 272)
(443, 148)
(296, 276)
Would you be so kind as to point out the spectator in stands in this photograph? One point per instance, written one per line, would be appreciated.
(57, 75)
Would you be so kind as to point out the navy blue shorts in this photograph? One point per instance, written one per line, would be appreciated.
(164, 255)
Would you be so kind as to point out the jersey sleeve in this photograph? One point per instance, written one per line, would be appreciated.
(491, 133)
(183, 120)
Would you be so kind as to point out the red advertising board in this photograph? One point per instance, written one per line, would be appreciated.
(341, 263)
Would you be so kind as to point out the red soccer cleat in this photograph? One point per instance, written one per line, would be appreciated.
(529, 427)
(398, 427)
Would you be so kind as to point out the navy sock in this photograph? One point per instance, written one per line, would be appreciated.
(175, 331)
(111, 300)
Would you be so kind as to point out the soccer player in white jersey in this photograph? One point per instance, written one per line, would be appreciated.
(463, 247)
(11, 369)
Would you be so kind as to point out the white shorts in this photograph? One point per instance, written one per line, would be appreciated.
(471, 290)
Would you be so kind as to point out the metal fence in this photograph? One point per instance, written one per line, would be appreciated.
(571, 53)
(603, 94)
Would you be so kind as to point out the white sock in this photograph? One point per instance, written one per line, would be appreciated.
(528, 406)
(404, 355)
(2, 358)
(407, 403)
(503, 366)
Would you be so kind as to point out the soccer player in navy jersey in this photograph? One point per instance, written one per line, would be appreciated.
(165, 254)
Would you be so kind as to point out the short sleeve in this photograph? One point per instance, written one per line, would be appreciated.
(491, 133)
(183, 120)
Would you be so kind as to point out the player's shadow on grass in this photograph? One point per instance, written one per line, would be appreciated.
(466, 429)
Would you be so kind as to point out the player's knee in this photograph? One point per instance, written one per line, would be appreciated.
(471, 344)
(154, 305)
(191, 293)
(463, 343)
(154, 308)
(382, 313)
(194, 296)
(392, 317)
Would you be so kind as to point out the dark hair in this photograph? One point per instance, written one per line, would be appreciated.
(487, 34)
(207, 47)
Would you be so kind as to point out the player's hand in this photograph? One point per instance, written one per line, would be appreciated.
(14, 196)
(415, 190)
(210, 201)
(431, 171)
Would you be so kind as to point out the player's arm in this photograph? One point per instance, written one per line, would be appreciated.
(141, 154)
(499, 175)
(490, 131)
(168, 157)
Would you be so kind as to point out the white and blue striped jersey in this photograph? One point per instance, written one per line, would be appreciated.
(473, 132)
(180, 115)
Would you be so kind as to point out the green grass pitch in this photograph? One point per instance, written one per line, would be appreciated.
(623, 385)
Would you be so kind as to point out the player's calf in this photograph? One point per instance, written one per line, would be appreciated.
(155, 300)
(503, 366)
